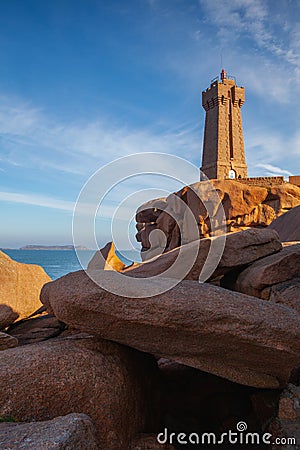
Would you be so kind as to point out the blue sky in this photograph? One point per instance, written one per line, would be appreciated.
(85, 82)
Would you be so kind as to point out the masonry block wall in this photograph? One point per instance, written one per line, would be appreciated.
(262, 181)
(295, 179)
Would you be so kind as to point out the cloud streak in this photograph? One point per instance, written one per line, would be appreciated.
(36, 200)
(80, 147)
(274, 170)
(270, 153)
(271, 35)
(255, 19)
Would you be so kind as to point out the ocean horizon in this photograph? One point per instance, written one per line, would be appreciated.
(57, 263)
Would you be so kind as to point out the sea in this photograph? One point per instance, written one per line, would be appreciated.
(57, 263)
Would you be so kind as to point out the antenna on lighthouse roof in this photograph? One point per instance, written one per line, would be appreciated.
(223, 74)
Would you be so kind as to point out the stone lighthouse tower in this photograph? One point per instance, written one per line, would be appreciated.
(223, 147)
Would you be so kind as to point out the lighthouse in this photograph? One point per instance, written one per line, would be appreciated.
(223, 155)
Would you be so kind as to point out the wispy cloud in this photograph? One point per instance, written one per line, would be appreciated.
(29, 138)
(271, 153)
(80, 147)
(36, 200)
(274, 170)
(272, 40)
(105, 212)
(255, 19)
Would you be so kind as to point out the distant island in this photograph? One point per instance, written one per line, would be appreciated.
(53, 247)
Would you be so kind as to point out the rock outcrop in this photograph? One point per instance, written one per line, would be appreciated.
(20, 285)
(7, 316)
(106, 259)
(286, 426)
(195, 400)
(199, 325)
(112, 370)
(243, 206)
(230, 252)
(7, 341)
(288, 225)
(275, 278)
(287, 293)
(283, 198)
(37, 329)
(114, 385)
(74, 431)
